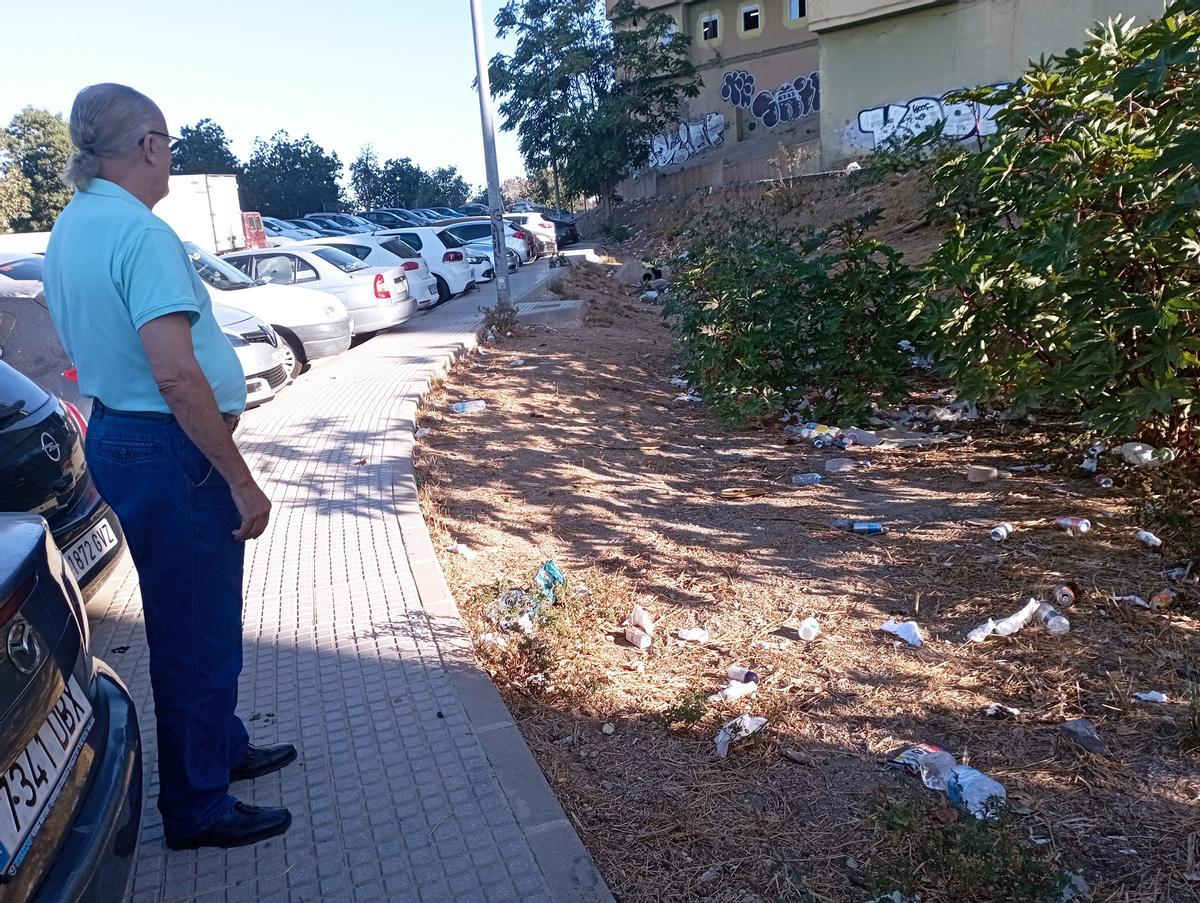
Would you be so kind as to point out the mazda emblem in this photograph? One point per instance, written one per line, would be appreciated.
(24, 650)
(51, 447)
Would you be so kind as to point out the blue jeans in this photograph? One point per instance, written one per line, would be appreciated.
(178, 516)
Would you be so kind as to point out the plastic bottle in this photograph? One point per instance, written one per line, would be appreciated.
(1001, 532)
(1145, 536)
(735, 691)
(971, 789)
(1138, 454)
(468, 407)
(823, 440)
(743, 675)
(806, 479)
(1018, 619)
(844, 442)
(1104, 481)
(1054, 622)
(809, 629)
(1073, 525)
(936, 769)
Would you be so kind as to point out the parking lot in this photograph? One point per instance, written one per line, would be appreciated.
(413, 782)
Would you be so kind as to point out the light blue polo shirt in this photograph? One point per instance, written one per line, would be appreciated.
(112, 266)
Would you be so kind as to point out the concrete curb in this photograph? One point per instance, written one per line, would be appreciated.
(570, 873)
(552, 313)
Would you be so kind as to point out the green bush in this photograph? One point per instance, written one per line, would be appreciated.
(770, 317)
(1071, 278)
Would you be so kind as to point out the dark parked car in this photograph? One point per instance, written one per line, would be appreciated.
(70, 751)
(473, 210)
(565, 230)
(42, 471)
(389, 219)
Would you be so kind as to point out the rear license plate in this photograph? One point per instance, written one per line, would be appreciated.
(85, 552)
(29, 786)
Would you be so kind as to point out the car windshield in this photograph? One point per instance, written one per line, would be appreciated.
(340, 259)
(23, 268)
(216, 272)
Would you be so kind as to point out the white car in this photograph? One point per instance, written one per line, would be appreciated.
(389, 251)
(483, 248)
(277, 228)
(257, 347)
(376, 297)
(542, 229)
(481, 229)
(444, 254)
(310, 324)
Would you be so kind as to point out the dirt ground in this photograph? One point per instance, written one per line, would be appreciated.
(584, 456)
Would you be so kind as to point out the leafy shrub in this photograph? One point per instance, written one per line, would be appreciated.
(614, 231)
(770, 317)
(1072, 278)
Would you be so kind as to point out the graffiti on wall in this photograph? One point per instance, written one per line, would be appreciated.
(687, 139)
(790, 101)
(895, 123)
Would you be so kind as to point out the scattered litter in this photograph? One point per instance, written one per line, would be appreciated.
(956, 411)
(549, 579)
(519, 362)
(465, 551)
(688, 396)
(680, 383)
(635, 665)
(494, 639)
(1139, 454)
(469, 407)
(971, 789)
(806, 479)
(1104, 481)
(692, 634)
(1030, 468)
(1001, 532)
(1065, 594)
(1083, 733)
(981, 473)
(1147, 538)
(742, 726)
(743, 492)
(1006, 626)
(906, 630)
(996, 710)
(609, 728)
(1073, 526)
(862, 437)
(745, 675)
(809, 629)
(775, 645)
(1192, 870)
(909, 759)
(867, 528)
(853, 166)
(521, 609)
(1133, 600)
(422, 433)
(650, 295)
(840, 465)
(1164, 598)
(1051, 620)
(1182, 574)
(639, 628)
(795, 755)
(735, 691)
(1150, 696)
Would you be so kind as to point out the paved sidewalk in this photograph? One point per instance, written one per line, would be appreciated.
(413, 783)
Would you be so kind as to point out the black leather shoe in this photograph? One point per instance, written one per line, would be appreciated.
(260, 760)
(244, 825)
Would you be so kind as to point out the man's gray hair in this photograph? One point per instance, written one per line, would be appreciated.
(107, 121)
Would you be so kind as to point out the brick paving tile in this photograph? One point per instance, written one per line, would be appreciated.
(342, 658)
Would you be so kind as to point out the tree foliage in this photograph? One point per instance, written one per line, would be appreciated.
(38, 148)
(288, 177)
(1071, 277)
(204, 149)
(586, 94)
(14, 188)
(403, 183)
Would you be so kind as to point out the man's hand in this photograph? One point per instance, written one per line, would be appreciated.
(255, 509)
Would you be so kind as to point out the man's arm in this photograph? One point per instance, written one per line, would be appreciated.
(168, 343)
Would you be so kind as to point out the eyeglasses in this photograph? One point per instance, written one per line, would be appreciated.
(173, 142)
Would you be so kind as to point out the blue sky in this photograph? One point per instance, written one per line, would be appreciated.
(393, 73)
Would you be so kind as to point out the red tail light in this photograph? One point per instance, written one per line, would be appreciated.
(453, 257)
(411, 265)
(381, 289)
(77, 416)
(520, 235)
(11, 605)
(72, 374)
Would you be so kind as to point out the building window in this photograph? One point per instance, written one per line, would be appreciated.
(797, 9)
(709, 28)
(751, 18)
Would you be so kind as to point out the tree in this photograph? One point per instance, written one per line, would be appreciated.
(448, 187)
(204, 149)
(288, 177)
(584, 95)
(367, 180)
(404, 183)
(14, 188)
(39, 146)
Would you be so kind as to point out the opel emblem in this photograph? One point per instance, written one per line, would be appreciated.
(51, 447)
(24, 650)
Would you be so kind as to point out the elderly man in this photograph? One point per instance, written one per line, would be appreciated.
(168, 389)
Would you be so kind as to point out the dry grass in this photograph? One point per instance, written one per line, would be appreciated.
(582, 456)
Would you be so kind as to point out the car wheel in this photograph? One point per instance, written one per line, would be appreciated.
(443, 290)
(293, 357)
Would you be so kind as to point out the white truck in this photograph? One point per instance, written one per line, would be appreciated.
(206, 209)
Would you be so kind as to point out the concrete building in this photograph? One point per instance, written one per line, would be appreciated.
(886, 64)
(761, 90)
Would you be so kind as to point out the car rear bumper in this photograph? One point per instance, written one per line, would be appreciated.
(324, 340)
(383, 316)
(96, 860)
(65, 535)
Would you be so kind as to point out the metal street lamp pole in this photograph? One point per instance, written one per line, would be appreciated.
(495, 201)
